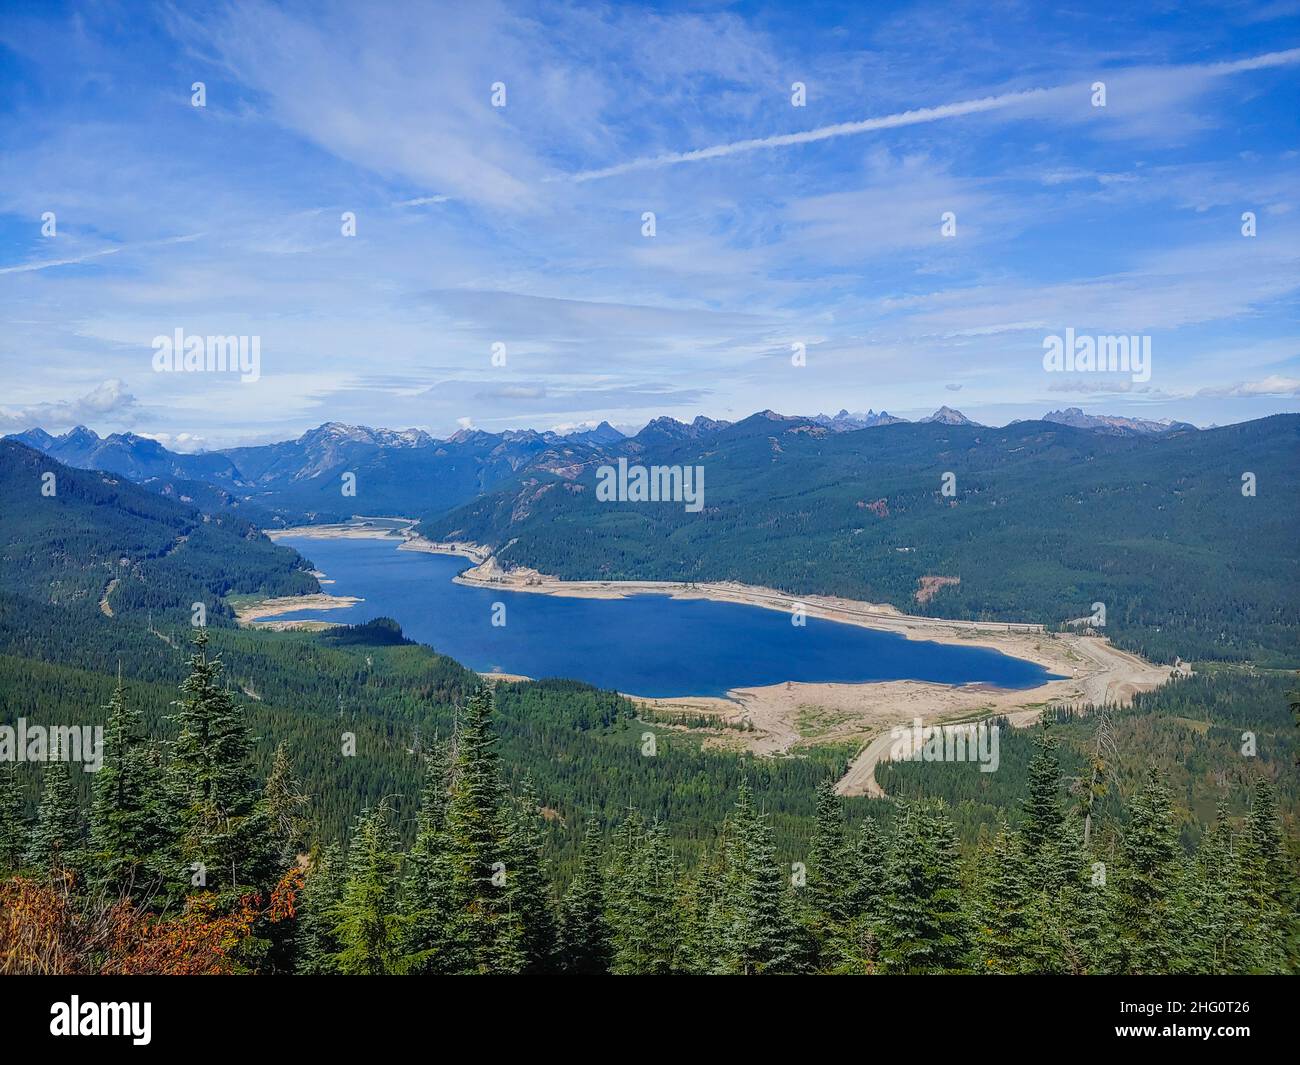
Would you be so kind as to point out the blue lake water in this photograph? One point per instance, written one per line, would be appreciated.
(648, 645)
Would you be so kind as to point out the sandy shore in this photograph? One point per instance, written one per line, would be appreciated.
(781, 718)
(252, 614)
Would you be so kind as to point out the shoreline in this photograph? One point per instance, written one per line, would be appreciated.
(780, 719)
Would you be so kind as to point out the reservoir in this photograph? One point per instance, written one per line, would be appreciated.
(649, 645)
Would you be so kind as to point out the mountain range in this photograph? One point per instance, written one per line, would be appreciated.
(299, 480)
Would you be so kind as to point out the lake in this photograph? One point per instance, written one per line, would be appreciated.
(649, 645)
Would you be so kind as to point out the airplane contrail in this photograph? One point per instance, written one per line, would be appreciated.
(912, 118)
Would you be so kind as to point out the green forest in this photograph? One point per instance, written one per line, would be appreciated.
(185, 860)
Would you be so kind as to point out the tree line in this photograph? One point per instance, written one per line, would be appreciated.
(186, 861)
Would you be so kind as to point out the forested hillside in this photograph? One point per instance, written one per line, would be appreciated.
(205, 860)
(1045, 520)
(79, 538)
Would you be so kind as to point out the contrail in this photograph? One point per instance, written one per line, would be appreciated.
(912, 118)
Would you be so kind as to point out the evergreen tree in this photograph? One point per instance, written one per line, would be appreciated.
(127, 830)
(366, 921)
(13, 824)
(481, 939)
(1262, 879)
(865, 900)
(1043, 813)
(584, 932)
(57, 841)
(1005, 936)
(761, 935)
(427, 883)
(1147, 917)
(642, 901)
(222, 820)
(923, 928)
(317, 945)
(528, 898)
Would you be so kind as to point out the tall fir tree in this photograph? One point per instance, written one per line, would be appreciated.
(367, 925)
(57, 842)
(584, 932)
(761, 935)
(13, 822)
(223, 828)
(643, 909)
(427, 877)
(923, 926)
(1147, 915)
(128, 830)
(483, 938)
(317, 946)
(528, 893)
(286, 810)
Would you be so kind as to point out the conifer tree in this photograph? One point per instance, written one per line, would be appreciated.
(57, 841)
(427, 875)
(13, 825)
(481, 932)
(584, 932)
(828, 860)
(865, 899)
(317, 945)
(222, 820)
(761, 935)
(528, 899)
(1147, 917)
(366, 922)
(127, 829)
(1043, 813)
(1005, 936)
(642, 901)
(1262, 877)
(923, 928)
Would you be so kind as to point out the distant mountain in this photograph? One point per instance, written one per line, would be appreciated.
(845, 422)
(947, 416)
(99, 544)
(1046, 519)
(604, 433)
(1075, 417)
(135, 457)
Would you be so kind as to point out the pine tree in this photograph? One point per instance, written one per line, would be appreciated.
(865, 900)
(923, 928)
(13, 825)
(223, 826)
(828, 860)
(317, 945)
(1262, 880)
(642, 901)
(366, 923)
(1147, 917)
(427, 875)
(761, 935)
(1043, 813)
(528, 899)
(57, 842)
(1005, 934)
(127, 828)
(584, 932)
(483, 936)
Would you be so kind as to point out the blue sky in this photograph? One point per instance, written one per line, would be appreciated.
(522, 224)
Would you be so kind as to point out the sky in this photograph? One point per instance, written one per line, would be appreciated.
(799, 258)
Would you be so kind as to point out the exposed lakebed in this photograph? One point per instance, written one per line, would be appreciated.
(649, 645)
